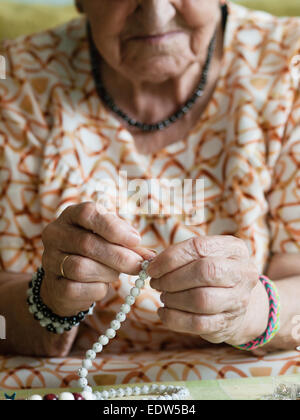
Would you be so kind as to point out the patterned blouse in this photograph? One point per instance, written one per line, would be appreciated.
(58, 141)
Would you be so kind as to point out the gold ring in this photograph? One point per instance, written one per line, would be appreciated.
(62, 266)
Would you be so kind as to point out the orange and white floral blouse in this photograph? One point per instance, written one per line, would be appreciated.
(57, 139)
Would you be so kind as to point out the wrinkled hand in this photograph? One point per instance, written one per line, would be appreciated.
(100, 246)
(206, 285)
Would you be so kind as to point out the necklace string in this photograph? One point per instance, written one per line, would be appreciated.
(163, 124)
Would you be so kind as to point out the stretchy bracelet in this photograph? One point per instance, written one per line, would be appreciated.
(47, 319)
(274, 318)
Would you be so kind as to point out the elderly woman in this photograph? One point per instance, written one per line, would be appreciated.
(156, 89)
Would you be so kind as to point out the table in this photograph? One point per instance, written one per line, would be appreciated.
(225, 389)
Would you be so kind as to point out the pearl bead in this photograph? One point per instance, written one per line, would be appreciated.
(143, 275)
(105, 394)
(110, 333)
(145, 389)
(153, 388)
(140, 283)
(35, 398)
(136, 390)
(125, 308)
(82, 372)
(90, 354)
(145, 265)
(60, 330)
(120, 392)
(88, 389)
(87, 363)
(135, 292)
(103, 340)
(97, 347)
(162, 388)
(130, 300)
(112, 393)
(44, 322)
(66, 396)
(115, 325)
(185, 392)
(32, 309)
(98, 396)
(88, 396)
(121, 317)
(82, 382)
(128, 391)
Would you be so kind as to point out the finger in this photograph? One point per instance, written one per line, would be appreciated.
(206, 272)
(145, 253)
(191, 323)
(79, 268)
(77, 293)
(86, 244)
(206, 301)
(95, 218)
(191, 250)
(66, 295)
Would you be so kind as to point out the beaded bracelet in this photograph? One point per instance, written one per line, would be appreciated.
(274, 318)
(47, 319)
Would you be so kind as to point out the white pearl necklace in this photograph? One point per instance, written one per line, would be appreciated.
(157, 392)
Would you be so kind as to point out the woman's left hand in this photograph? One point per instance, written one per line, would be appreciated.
(206, 284)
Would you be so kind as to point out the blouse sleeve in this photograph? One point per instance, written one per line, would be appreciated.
(22, 130)
(284, 197)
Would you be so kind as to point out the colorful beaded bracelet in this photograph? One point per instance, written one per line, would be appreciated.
(274, 318)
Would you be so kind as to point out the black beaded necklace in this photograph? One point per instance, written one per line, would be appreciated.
(161, 125)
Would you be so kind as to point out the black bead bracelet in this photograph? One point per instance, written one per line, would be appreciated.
(48, 319)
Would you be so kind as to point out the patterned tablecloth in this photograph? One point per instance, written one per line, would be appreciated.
(216, 372)
(211, 363)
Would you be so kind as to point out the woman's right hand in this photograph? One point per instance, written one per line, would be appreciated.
(99, 246)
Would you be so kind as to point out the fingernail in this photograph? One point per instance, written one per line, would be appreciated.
(153, 250)
(135, 236)
(155, 253)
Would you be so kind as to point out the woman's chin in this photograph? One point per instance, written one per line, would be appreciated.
(156, 69)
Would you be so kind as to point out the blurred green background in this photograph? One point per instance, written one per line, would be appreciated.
(18, 17)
